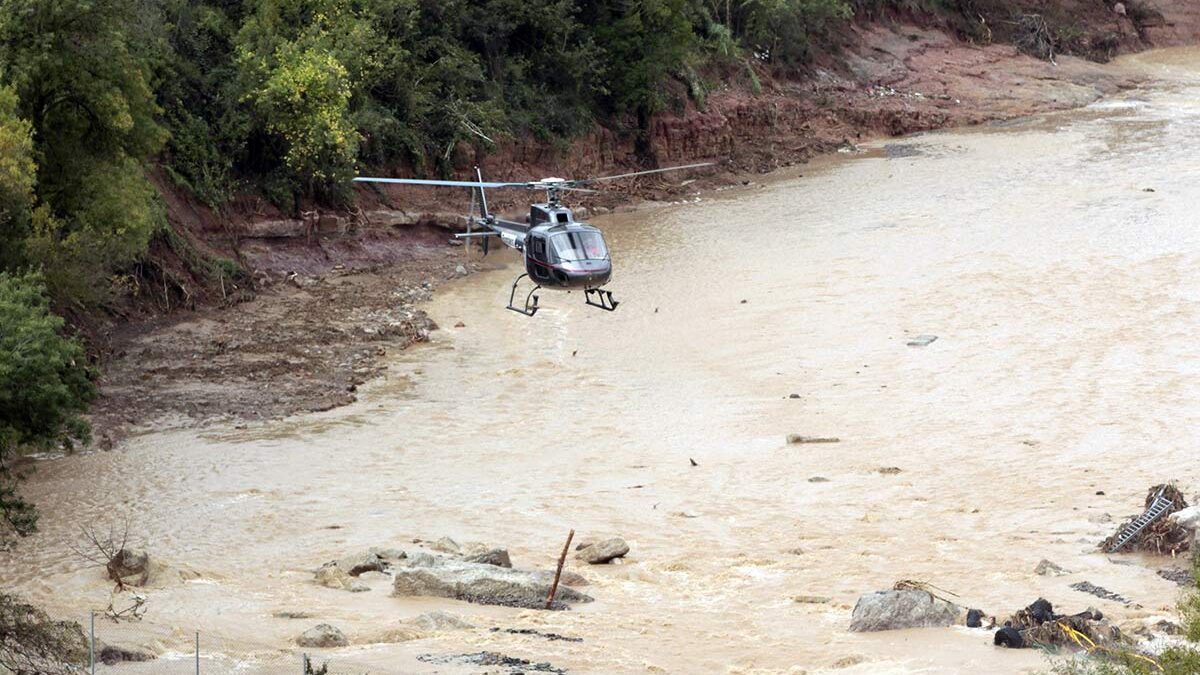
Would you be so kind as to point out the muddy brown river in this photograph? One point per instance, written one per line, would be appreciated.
(1054, 258)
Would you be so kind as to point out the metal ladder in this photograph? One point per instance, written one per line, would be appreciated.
(1157, 508)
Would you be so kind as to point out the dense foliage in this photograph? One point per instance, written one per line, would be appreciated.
(44, 386)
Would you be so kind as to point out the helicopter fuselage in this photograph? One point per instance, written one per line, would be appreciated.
(561, 253)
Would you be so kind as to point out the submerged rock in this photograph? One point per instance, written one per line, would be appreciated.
(568, 578)
(427, 575)
(439, 620)
(604, 551)
(113, 654)
(363, 562)
(891, 610)
(322, 636)
(1046, 568)
(331, 575)
(446, 545)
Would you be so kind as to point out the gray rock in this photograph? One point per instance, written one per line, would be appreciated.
(1048, 569)
(922, 341)
(113, 654)
(460, 271)
(333, 576)
(891, 610)
(604, 551)
(322, 636)
(446, 545)
(363, 562)
(129, 566)
(1188, 518)
(439, 620)
(431, 576)
(388, 553)
(568, 578)
(496, 556)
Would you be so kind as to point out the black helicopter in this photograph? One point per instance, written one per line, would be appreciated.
(561, 253)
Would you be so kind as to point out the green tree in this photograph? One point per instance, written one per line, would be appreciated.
(782, 31)
(45, 385)
(17, 177)
(645, 43)
(85, 92)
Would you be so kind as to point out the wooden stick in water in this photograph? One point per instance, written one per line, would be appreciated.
(562, 559)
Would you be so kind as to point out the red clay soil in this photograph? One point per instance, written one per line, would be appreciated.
(330, 291)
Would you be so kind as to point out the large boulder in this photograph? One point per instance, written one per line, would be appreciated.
(604, 551)
(322, 636)
(129, 567)
(427, 575)
(890, 610)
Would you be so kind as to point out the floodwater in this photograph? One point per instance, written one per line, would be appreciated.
(1056, 262)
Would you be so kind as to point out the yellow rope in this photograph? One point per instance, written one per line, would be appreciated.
(1080, 639)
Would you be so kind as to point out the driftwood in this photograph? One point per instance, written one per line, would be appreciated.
(562, 559)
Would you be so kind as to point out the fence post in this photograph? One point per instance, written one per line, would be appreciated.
(197, 652)
(92, 644)
(304, 664)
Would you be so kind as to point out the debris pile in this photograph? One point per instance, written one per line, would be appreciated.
(1162, 535)
(1039, 626)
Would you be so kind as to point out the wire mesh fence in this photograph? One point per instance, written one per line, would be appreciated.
(145, 648)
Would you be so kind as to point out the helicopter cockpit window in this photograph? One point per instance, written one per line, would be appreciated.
(579, 246)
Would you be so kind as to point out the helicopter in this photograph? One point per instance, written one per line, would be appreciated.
(560, 253)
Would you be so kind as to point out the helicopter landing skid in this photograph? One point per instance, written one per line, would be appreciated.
(531, 301)
(598, 297)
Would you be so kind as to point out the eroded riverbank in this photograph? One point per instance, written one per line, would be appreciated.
(1062, 292)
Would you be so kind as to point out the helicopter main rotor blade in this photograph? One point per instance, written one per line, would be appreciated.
(440, 183)
(586, 181)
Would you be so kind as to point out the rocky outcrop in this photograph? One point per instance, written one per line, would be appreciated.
(891, 610)
(322, 636)
(433, 576)
(603, 552)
